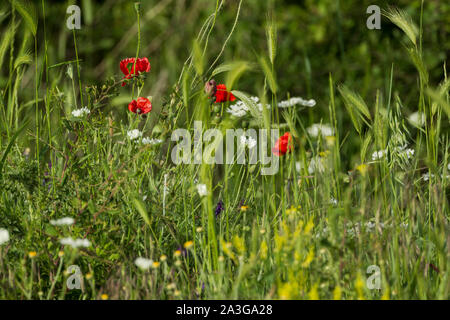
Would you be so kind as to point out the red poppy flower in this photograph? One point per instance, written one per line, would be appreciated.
(141, 106)
(138, 66)
(283, 145)
(222, 95)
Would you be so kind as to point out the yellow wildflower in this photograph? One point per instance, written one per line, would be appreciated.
(313, 294)
(188, 244)
(362, 168)
(32, 254)
(337, 293)
(104, 296)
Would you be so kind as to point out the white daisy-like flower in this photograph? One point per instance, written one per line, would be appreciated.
(417, 119)
(202, 190)
(317, 128)
(297, 101)
(143, 263)
(66, 221)
(248, 142)
(151, 141)
(334, 201)
(134, 134)
(75, 243)
(377, 155)
(78, 113)
(426, 176)
(4, 236)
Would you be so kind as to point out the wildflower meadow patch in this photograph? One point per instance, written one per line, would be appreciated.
(198, 150)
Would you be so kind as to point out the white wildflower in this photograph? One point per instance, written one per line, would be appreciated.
(324, 129)
(377, 155)
(260, 106)
(297, 101)
(134, 134)
(248, 142)
(409, 153)
(417, 119)
(78, 113)
(143, 263)
(239, 109)
(353, 229)
(298, 166)
(4, 236)
(202, 190)
(151, 141)
(66, 221)
(75, 243)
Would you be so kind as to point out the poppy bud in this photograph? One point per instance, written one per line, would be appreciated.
(211, 88)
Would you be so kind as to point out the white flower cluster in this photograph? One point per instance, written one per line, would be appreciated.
(297, 101)
(317, 128)
(402, 151)
(75, 243)
(134, 134)
(202, 190)
(354, 229)
(378, 155)
(239, 109)
(4, 236)
(248, 142)
(78, 113)
(417, 119)
(66, 221)
(151, 141)
(143, 263)
(406, 152)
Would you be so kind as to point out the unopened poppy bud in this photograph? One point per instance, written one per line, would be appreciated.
(211, 87)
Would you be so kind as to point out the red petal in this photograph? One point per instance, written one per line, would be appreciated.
(132, 106)
(124, 65)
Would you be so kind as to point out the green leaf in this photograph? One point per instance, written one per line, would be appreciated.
(10, 144)
(140, 207)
